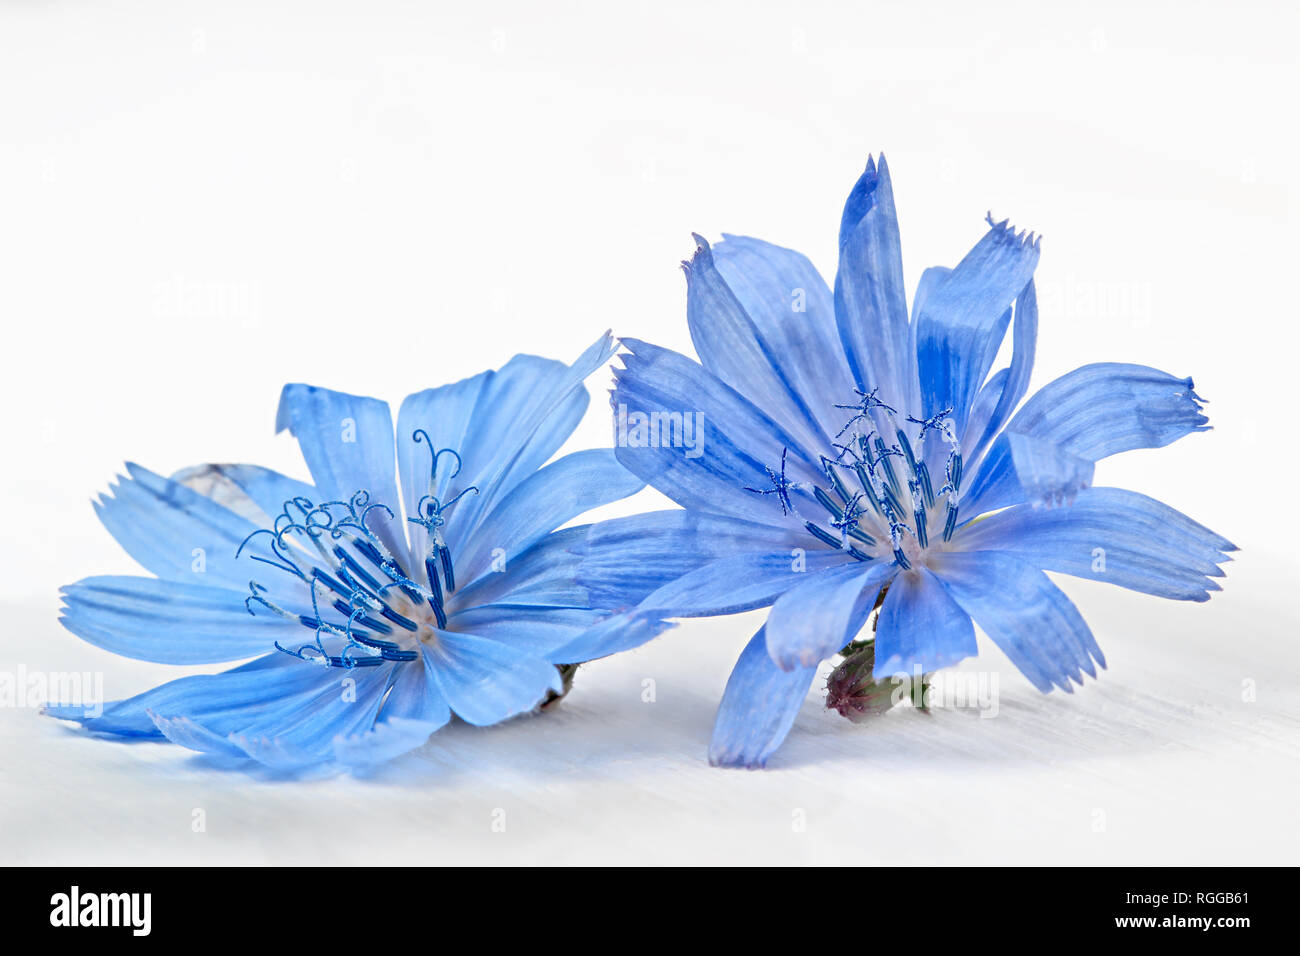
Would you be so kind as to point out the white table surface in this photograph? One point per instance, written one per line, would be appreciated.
(1161, 761)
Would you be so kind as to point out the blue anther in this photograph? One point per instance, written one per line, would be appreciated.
(351, 564)
(883, 455)
(833, 476)
(400, 620)
(889, 497)
(906, 447)
(448, 572)
(950, 525)
(847, 523)
(923, 479)
(364, 620)
(865, 481)
(822, 535)
(320, 577)
(826, 502)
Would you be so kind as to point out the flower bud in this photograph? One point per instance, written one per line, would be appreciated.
(852, 690)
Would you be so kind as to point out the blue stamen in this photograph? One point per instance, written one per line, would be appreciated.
(351, 564)
(847, 523)
(781, 485)
(866, 402)
(906, 447)
(836, 482)
(365, 621)
(934, 422)
(421, 435)
(891, 499)
(882, 460)
(822, 535)
(923, 479)
(319, 576)
(860, 535)
(950, 525)
(825, 501)
(357, 593)
(865, 481)
(448, 572)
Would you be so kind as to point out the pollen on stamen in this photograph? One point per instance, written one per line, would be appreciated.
(323, 545)
(877, 508)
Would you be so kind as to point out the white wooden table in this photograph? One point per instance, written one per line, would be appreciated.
(1166, 759)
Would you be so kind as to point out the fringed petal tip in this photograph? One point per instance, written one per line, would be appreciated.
(1006, 232)
(702, 256)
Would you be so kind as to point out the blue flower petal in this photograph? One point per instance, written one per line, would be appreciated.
(524, 414)
(545, 575)
(1005, 390)
(192, 735)
(758, 707)
(920, 629)
(347, 442)
(1110, 407)
(333, 722)
(485, 681)
(224, 701)
(302, 733)
(814, 619)
(739, 583)
(1020, 468)
(620, 632)
(625, 559)
(794, 315)
(381, 743)
(170, 622)
(543, 501)
(535, 631)
(415, 695)
(1111, 535)
(963, 317)
(733, 347)
(1024, 613)
(175, 532)
(445, 415)
(739, 442)
(239, 486)
(870, 298)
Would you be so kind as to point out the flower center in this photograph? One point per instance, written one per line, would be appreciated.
(879, 499)
(365, 607)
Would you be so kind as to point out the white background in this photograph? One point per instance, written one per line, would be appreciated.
(202, 201)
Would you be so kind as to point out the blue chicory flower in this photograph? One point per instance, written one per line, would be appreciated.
(366, 631)
(848, 454)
